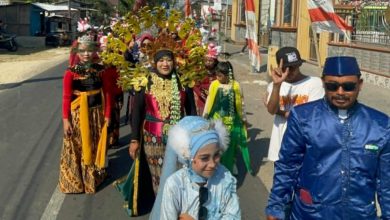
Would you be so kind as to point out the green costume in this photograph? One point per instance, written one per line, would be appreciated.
(225, 102)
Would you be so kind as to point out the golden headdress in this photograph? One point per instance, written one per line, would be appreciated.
(188, 52)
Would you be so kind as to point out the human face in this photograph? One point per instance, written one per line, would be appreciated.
(206, 160)
(85, 53)
(222, 78)
(146, 44)
(165, 65)
(209, 62)
(293, 73)
(341, 98)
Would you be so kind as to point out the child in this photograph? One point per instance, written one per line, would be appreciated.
(225, 102)
(202, 189)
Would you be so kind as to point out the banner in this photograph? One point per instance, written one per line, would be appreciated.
(251, 34)
(324, 18)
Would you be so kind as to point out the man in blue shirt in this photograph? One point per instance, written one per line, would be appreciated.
(335, 154)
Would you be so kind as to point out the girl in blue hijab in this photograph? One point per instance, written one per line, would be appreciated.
(203, 188)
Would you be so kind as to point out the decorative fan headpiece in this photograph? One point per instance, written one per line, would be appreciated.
(163, 41)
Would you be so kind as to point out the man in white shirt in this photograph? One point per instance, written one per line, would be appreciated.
(289, 87)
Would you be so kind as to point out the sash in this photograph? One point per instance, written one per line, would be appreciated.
(82, 102)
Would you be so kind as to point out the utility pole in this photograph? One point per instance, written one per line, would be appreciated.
(226, 16)
(70, 16)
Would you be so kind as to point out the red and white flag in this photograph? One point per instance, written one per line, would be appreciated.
(251, 34)
(187, 8)
(324, 18)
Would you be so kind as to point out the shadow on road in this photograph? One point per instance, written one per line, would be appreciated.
(13, 85)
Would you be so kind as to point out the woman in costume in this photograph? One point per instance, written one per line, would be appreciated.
(157, 106)
(203, 188)
(226, 102)
(201, 88)
(86, 114)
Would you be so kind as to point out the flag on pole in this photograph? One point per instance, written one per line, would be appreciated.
(251, 34)
(324, 18)
(187, 8)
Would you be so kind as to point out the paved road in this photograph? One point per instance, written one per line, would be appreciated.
(30, 144)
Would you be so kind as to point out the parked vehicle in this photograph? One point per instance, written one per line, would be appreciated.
(56, 39)
(7, 41)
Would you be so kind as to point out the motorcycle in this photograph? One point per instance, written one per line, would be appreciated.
(7, 41)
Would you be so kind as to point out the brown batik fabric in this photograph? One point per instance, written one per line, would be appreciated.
(155, 151)
(75, 176)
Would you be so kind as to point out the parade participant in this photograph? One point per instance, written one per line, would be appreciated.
(203, 188)
(335, 154)
(136, 50)
(156, 107)
(201, 88)
(137, 54)
(289, 87)
(226, 102)
(86, 90)
(162, 95)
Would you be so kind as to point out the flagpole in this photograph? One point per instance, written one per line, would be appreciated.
(226, 16)
(316, 45)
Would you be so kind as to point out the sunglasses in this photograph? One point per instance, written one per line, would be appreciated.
(203, 198)
(334, 86)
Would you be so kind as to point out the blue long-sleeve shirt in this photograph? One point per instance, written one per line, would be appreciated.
(333, 166)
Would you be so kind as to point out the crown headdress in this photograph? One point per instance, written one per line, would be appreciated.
(86, 39)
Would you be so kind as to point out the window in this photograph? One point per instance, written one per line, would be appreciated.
(241, 11)
(287, 8)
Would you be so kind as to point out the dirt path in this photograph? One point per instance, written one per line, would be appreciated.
(28, 62)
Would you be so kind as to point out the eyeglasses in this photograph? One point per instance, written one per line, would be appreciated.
(334, 86)
(203, 198)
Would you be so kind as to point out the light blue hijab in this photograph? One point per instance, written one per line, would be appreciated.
(185, 139)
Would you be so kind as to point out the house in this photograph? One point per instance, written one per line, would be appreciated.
(34, 19)
(369, 42)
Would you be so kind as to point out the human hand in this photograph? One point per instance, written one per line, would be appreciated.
(185, 216)
(278, 75)
(107, 120)
(130, 45)
(67, 128)
(133, 149)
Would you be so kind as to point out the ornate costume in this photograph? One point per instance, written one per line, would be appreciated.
(225, 102)
(86, 91)
(160, 100)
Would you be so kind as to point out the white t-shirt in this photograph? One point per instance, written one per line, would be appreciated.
(291, 94)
